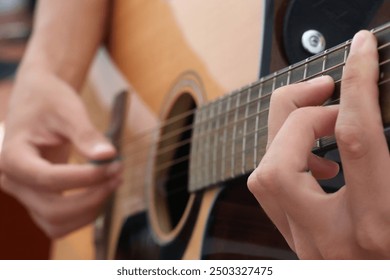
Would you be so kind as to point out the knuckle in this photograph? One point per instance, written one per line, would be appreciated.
(264, 179)
(51, 216)
(371, 234)
(351, 139)
(53, 231)
(44, 181)
(279, 96)
(300, 115)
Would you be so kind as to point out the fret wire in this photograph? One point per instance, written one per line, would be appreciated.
(274, 82)
(291, 67)
(307, 78)
(324, 58)
(216, 139)
(345, 54)
(257, 124)
(257, 115)
(207, 143)
(319, 141)
(198, 150)
(194, 148)
(203, 163)
(261, 128)
(245, 130)
(302, 80)
(238, 120)
(232, 162)
(324, 61)
(226, 125)
(288, 75)
(337, 81)
(213, 139)
(215, 145)
(179, 160)
(305, 69)
(263, 111)
(225, 137)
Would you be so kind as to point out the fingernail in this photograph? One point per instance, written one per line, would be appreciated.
(113, 168)
(358, 41)
(320, 80)
(102, 148)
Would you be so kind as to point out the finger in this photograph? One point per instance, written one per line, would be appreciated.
(78, 127)
(58, 214)
(359, 128)
(322, 168)
(286, 99)
(269, 202)
(283, 101)
(37, 172)
(290, 154)
(85, 209)
(286, 163)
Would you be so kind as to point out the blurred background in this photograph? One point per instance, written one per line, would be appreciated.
(19, 237)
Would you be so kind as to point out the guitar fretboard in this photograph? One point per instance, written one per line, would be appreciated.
(230, 134)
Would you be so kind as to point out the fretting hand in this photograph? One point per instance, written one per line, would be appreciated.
(352, 223)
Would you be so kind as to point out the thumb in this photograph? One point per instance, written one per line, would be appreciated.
(91, 143)
(87, 139)
(78, 128)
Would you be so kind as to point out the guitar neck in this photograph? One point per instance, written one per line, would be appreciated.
(230, 134)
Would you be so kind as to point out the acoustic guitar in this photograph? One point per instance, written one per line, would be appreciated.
(197, 122)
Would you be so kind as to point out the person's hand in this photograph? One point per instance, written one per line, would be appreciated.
(354, 222)
(46, 117)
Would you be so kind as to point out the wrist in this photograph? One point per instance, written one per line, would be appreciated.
(40, 58)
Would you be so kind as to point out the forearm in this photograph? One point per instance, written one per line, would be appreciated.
(65, 37)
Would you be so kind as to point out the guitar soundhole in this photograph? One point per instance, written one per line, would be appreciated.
(170, 195)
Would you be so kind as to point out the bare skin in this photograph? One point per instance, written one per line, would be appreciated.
(352, 223)
(46, 118)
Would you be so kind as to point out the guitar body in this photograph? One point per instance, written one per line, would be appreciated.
(176, 56)
(173, 57)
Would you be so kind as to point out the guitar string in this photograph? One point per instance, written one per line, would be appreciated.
(164, 176)
(260, 82)
(172, 191)
(241, 138)
(169, 164)
(226, 113)
(186, 114)
(213, 131)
